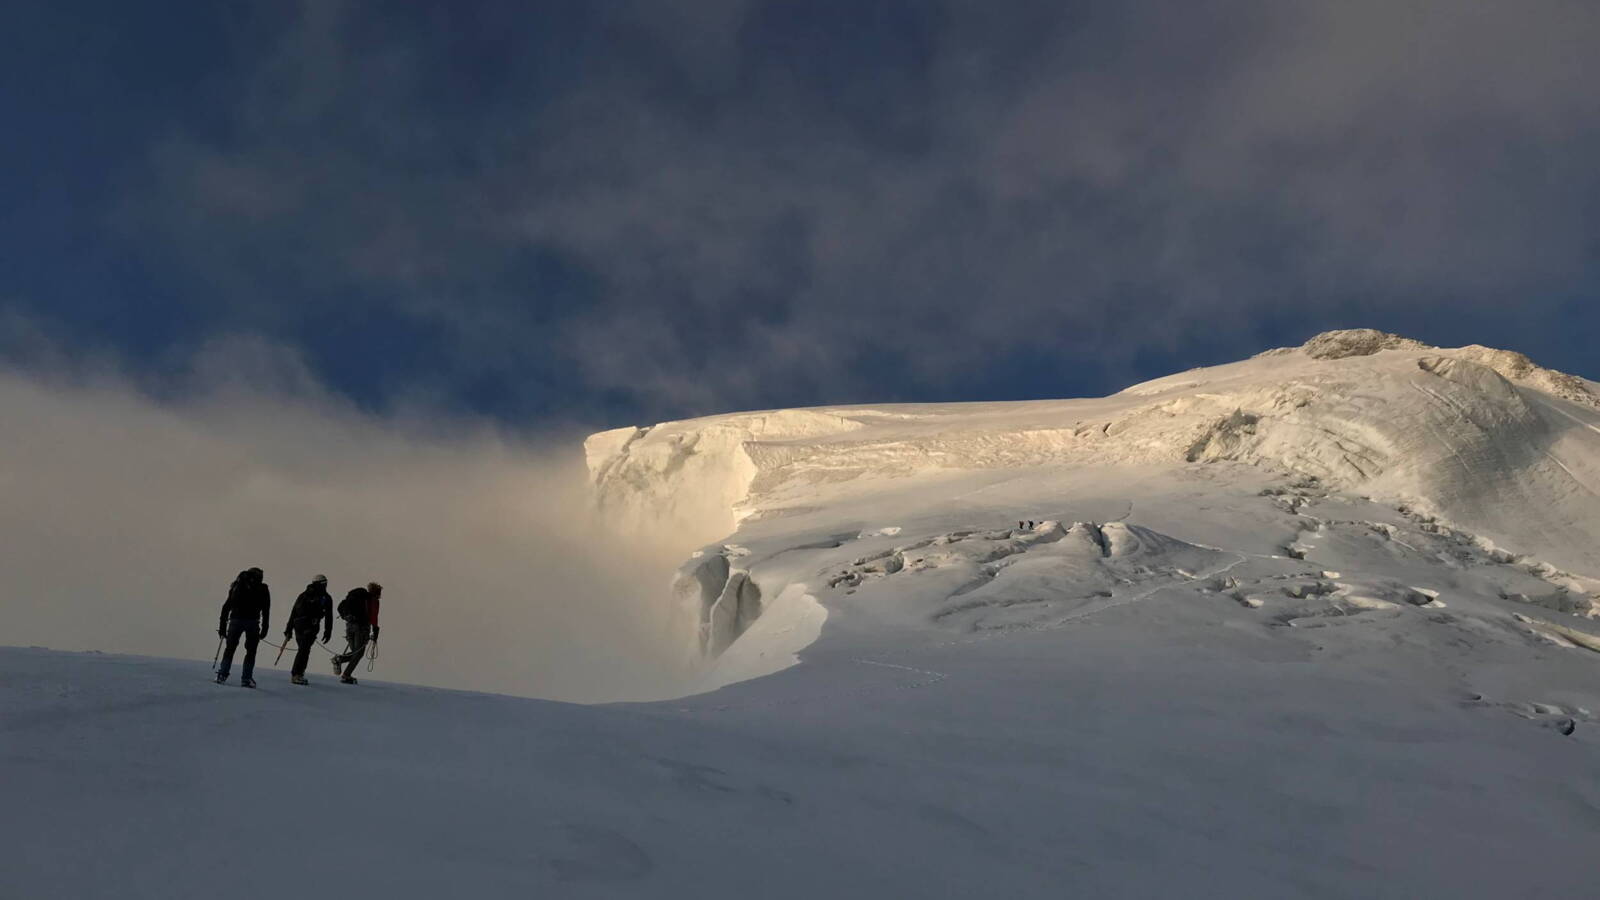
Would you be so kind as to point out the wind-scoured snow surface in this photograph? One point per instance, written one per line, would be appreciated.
(1467, 465)
(1316, 624)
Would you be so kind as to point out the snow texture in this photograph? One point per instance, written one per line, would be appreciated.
(1320, 623)
(1478, 440)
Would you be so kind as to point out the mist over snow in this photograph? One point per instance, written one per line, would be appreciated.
(125, 518)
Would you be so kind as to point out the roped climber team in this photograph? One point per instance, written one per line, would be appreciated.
(246, 611)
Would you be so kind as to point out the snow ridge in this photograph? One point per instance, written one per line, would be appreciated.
(1480, 441)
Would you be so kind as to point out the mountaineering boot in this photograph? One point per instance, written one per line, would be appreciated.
(347, 679)
(222, 678)
(298, 679)
(247, 682)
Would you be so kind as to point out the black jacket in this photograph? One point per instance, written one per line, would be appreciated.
(247, 600)
(312, 608)
(359, 607)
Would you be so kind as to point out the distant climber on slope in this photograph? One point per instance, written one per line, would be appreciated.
(359, 610)
(244, 613)
(312, 608)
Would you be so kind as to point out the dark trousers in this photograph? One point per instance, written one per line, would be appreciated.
(251, 630)
(357, 635)
(303, 638)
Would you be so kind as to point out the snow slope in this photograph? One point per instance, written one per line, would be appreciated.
(1315, 624)
(1476, 442)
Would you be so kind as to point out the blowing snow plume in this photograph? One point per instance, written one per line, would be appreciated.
(124, 518)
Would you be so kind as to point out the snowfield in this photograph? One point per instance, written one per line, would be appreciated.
(1476, 448)
(1320, 623)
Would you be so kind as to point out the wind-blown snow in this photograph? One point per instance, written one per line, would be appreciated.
(1315, 624)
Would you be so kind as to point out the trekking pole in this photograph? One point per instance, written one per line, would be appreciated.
(372, 656)
(218, 657)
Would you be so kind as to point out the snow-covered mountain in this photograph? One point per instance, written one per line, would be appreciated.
(1315, 624)
(1471, 469)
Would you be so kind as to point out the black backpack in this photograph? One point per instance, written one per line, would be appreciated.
(354, 605)
(244, 595)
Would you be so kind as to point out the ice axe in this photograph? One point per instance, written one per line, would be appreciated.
(281, 647)
(218, 655)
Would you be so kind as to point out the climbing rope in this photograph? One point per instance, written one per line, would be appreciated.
(281, 647)
(372, 651)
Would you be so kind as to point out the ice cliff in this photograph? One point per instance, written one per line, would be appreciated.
(1475, 438)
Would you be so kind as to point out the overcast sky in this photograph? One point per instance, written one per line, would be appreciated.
(606, 213)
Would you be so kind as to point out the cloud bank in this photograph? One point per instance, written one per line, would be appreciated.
(766, 203)
(125, 518)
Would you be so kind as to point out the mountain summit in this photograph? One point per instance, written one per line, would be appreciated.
(1366, 453)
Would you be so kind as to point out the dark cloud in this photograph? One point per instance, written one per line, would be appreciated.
(644, 210)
